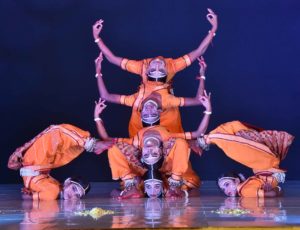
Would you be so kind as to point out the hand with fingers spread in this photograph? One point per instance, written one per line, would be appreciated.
(97, 27)
(99, 107)
(98, 64)
(213, 20)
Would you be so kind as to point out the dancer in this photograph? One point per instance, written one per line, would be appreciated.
(168, 101)
(261, 150)
(157, 69)
(156, 72)
(125, 156)
(52, 148)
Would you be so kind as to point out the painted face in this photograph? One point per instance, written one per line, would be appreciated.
(151, 152)
(153, 188)
(229, 186)
(150, 112)
(72, 191)
(157, 68)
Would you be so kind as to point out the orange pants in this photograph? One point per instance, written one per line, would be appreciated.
(177, 162)
(247, 152)
(43, 187)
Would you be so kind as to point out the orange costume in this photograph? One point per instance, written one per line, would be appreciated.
(261, 150)
(176, 157)
(54, 147)
(171, 117)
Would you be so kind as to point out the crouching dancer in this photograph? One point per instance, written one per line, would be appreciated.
(261, 150)
(54, 147)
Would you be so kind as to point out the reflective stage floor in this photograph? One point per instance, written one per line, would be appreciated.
(204, 209)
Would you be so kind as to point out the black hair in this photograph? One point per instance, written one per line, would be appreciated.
(162, 79)
(152, 124)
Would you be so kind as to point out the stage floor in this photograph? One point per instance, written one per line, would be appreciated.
(206, 208)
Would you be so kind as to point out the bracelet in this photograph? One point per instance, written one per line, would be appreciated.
(90, 144)
(98, 75)
(174, 183)
(214, 34)
(97, 40)
(208, 112)
(97, 119)
(203, 77)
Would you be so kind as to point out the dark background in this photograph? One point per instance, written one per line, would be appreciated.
(47, 72)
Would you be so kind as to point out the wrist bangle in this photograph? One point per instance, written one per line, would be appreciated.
(208, 112)
(97, 119)
(98, 75)
(90, 144)
(97, 40)
(214, 34)
(203, 77)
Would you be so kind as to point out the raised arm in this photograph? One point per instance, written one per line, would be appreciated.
(196, 100)
(205, 99)
(104, 94)
(213, 20)
(99, 107)
(97, 27)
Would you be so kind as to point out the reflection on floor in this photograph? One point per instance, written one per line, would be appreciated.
(206, 208)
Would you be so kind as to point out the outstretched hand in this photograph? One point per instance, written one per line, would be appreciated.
(99, 107)
(213, 19)
(97, 27)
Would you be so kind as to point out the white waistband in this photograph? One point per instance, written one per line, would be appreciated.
(28, 172)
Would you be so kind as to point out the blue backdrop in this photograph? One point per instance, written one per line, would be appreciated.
(47, 69)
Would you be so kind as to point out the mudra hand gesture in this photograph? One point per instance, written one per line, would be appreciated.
(97, 27)
(99, 107)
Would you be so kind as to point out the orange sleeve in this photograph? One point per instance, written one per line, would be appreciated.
(251, 188)
(181, 63)
(171, 101)
(128, 100)
(132, 66)
(186, 135)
